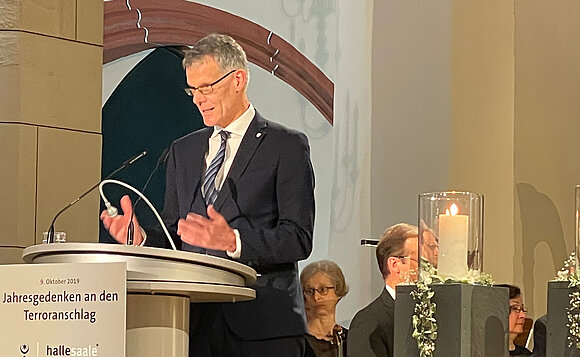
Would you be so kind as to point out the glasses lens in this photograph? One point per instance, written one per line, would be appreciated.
(323, 290)
(405, 259)
(189, 91)
(205, 90)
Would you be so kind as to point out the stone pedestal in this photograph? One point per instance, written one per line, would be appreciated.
(472, 321)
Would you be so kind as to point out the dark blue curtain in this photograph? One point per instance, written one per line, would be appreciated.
(147, 111)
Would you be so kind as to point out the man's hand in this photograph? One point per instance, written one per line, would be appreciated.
(118, 225)
(213, 233)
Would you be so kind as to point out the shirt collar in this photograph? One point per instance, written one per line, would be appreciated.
(238, 126)
(391, 291)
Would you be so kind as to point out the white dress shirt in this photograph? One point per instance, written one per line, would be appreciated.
(391, 291)
(237, 129)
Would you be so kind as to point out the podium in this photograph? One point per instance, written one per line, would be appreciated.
(161, 283)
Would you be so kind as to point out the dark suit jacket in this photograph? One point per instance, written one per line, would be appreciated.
(268, 195)
(371, 331)
(540, 337)
(540, 342)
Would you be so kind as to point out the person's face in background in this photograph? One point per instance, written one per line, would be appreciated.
(320, 294)
(517, 315)
(410, 263)
(430, 248)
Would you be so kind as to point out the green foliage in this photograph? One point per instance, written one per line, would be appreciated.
(568, 273)
(424, 323)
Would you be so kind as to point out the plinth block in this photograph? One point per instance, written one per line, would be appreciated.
(557, 320)
(472, 321)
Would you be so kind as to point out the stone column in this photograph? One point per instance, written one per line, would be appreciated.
(50, 119)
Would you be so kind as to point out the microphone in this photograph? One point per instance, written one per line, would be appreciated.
(131, 161)
(131, 228)
(159, 219)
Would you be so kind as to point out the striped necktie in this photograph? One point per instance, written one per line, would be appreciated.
(209, 187)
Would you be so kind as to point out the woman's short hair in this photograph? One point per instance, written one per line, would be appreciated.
(329, 268)
(514, 290)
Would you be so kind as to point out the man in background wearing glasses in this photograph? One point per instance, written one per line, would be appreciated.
(372, 328)
(242, 189)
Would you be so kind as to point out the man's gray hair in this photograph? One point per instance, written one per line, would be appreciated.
(223, 49)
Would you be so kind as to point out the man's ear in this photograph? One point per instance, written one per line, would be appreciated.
(393, 264)
(241, 78)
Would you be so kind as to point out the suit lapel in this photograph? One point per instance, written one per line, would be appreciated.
(250, 142)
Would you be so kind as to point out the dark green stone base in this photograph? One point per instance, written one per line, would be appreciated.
(557, 320)
(472, 321)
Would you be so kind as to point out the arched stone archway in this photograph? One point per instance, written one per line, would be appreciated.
(132, 26)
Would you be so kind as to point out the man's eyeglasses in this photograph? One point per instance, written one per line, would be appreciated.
(323, 290)
(517, 309)
(208, 89)
(403, 257)
(432, 246)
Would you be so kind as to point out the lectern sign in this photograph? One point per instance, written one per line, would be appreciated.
(63, 310)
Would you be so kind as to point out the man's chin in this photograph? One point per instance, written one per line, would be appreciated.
(208, 120)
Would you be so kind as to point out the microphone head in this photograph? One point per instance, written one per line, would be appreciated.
(112, 211)
(134, 158)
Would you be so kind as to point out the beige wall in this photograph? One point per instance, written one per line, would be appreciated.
(481, 96)
(443, 109)
(50, 121)
(410, 110)
(547, 148)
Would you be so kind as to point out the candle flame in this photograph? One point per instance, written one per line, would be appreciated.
(453, 210)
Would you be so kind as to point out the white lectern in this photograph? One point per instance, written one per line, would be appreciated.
(160, 285)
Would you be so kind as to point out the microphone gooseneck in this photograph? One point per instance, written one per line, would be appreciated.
(50, 234)
(104, 182)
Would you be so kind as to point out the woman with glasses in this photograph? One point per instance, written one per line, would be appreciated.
(323, 285)
(517, 317)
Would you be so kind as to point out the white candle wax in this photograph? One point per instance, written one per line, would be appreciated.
(453, 231)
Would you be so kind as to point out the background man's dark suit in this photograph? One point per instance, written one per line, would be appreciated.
(268, 197)
(540, 342)
(540, 336)
(371, 331)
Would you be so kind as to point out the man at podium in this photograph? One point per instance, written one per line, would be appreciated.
(242, 188)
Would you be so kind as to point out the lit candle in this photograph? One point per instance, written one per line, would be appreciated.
(453, 231)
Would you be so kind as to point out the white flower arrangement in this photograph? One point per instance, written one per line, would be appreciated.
(568, 273)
